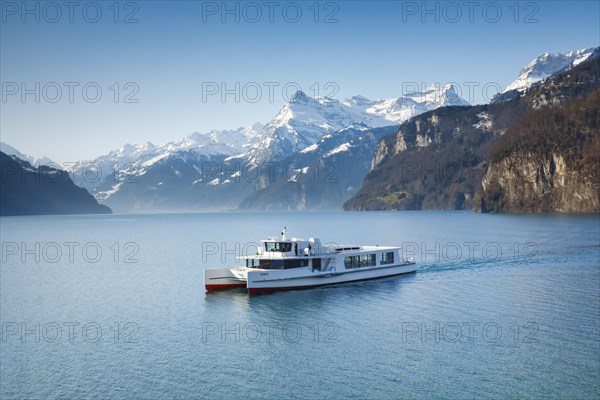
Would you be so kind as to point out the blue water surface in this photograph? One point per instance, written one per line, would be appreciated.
(113, 306)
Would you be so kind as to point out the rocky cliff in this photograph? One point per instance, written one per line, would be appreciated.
(547, 162)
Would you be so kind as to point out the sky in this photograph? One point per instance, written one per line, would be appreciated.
(80, 79)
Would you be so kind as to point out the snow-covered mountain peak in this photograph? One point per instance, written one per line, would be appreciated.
(357, 100)
(302, 98)
(303, 120)
(435, 96)
(224, 142)
(405, 107)
(213, 143)
(131, 151)
(546, 65)
(35, 161)
(299, 97)
(449, 93)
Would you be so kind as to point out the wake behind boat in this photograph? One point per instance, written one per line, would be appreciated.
(290, 264)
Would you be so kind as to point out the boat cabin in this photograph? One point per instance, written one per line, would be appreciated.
(287, 253)
(294, 247)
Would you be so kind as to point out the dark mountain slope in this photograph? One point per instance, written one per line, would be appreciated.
(29, 190)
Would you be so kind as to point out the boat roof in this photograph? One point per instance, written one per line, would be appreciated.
(339, 249)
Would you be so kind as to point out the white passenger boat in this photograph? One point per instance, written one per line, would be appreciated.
(290, 264)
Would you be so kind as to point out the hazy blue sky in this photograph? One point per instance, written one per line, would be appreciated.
(170, 56)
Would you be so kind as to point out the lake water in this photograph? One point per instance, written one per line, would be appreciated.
(501, 306)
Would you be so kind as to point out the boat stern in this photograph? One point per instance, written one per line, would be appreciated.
(224, 278)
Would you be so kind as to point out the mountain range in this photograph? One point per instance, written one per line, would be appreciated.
(536, 152)
(311, 147)
(541, 68)
(313, 154)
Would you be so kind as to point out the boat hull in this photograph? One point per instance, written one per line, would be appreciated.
(256, 285)
(224, 278)
(224, 286)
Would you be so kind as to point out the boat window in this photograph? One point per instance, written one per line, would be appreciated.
(367, 260)
(278, 246)
(387, 258)
(351, 262)
(266, 263)
(364, 260)
(295, 263)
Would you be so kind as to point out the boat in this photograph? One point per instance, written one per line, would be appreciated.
(295, 263)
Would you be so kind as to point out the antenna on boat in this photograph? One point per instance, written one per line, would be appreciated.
(284, 234)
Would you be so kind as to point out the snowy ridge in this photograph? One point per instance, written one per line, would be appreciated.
(35, 161)
(318, 128)
(298, 126)
(546, 65)
(303, 120)
(409, 105)
(135, 159)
